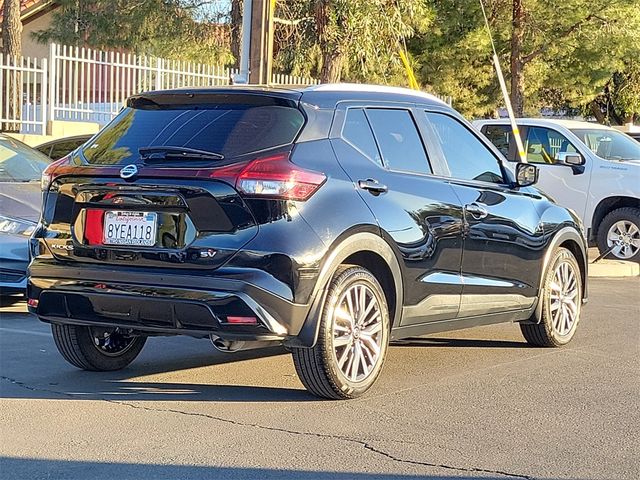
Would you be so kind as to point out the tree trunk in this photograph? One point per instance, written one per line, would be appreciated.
(236, 30)
(331, 67)
(517, 61)
(332, 56)
(596, 110)
(12, 49)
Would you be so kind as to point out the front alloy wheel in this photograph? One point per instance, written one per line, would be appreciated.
(352, 340)
(561, 298)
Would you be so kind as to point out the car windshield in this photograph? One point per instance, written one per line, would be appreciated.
(20, 163)
(609, 144)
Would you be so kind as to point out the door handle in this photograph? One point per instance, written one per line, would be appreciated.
(477, 211)
(372, 186)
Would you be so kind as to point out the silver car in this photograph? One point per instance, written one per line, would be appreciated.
(20, 200)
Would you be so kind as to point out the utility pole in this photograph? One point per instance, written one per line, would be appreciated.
(256, 51)
(261, 49)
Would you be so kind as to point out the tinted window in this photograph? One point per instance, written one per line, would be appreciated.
(20, 163)
(357, 132)
(60, 149)
(398, 140)
(45, 149)
(544, 144)
(467, 157)
(500, 136)
(229, 129)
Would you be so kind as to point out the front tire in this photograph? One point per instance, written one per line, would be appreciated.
(561, 299)
(619, 232)
(93, 349)
(353, 338)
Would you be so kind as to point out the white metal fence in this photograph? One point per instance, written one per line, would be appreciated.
(283, 79)
(92, 85)
(87, 85)
(23, 92)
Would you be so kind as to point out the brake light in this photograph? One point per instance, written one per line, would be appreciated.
(48, 173)
(274, 177)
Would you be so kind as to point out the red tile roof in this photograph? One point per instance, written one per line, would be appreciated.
(27, 6)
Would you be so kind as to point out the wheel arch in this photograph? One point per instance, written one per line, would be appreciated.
(362, 246)
(571, 239)
(606, 206)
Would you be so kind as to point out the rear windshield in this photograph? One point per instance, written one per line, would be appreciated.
(228, 129)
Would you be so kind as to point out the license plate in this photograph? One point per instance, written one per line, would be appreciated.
(130, 228)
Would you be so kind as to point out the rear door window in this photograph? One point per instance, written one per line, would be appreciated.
(500, 136)
(229, 129)
(357, 133)
(398, 140)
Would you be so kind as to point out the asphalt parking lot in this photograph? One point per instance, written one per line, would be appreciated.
(477, 403)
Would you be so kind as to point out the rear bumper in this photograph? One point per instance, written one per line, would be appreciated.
(161, 303)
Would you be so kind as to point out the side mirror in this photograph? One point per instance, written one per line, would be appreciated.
(572, 159)
(526, 174)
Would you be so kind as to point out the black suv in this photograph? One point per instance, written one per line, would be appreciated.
(330, 220)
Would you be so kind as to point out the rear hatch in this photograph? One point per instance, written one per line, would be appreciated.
(157, 186)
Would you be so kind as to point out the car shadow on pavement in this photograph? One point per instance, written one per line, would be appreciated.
(123, 385)
(457, 342)
(13, 467)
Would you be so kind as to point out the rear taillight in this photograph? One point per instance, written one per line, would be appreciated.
(48, 173)
(274, 177)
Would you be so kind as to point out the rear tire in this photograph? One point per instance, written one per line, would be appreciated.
(353, 338)
(561, 300)
(93, 350)
(620, 229)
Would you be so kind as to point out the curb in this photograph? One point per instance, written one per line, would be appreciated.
(614, 268)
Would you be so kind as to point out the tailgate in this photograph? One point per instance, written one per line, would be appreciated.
(181, 223)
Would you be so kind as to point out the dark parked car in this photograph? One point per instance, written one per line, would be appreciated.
(331, 220)
(634, 135)
(21, 168)
(61, 147)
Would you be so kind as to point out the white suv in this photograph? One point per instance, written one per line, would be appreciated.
(590, 168)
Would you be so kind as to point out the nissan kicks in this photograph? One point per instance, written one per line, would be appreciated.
(331, 220)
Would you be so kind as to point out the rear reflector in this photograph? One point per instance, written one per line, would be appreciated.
(32, 302)
(93, 229)
(243, 320)
(274, 177)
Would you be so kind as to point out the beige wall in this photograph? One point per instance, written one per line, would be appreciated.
(58, 129)
(31, 48)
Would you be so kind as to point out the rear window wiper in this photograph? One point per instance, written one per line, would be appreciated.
(165, 152)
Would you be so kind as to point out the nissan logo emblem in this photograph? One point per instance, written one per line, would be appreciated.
(129, 171)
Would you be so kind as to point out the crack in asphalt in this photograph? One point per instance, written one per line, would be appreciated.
(362, 443)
